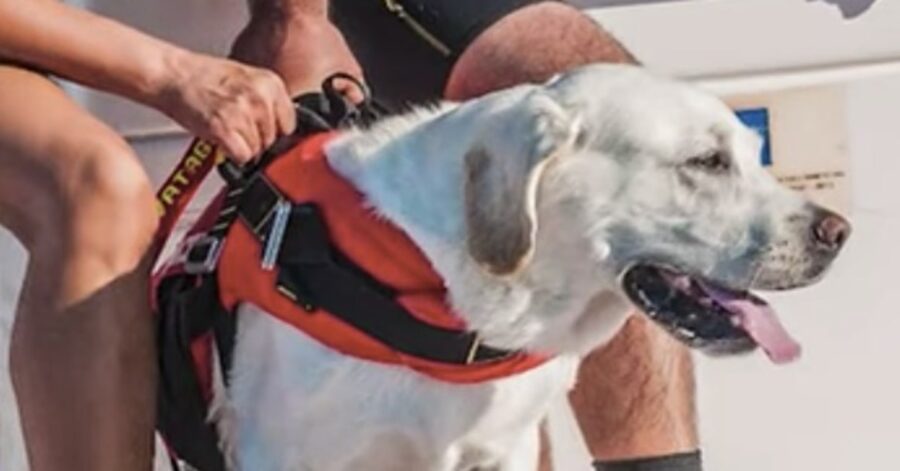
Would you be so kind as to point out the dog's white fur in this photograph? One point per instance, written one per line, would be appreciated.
(529, 203)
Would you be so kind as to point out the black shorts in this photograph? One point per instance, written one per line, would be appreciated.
(408, 47)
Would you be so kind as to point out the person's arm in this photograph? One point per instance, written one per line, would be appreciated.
(240, 107)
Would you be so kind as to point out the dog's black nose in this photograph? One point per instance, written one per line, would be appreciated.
(830, 231)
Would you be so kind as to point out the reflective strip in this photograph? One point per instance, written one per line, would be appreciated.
(276, 235)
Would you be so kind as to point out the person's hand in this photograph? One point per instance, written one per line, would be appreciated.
(241, 108)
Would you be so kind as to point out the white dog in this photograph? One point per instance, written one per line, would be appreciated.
(548, 210)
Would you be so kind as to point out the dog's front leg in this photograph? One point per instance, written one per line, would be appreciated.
(525, 454)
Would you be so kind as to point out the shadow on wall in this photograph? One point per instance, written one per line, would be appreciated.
(849, 8)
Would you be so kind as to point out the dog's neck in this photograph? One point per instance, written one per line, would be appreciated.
(411, 170)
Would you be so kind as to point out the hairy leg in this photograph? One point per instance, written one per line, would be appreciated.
(514, 51)
(635, 397)
(295, 39)
(81, 357)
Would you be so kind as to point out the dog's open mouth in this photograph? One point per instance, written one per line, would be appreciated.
(703, 315)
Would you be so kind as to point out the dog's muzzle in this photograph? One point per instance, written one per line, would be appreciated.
(706, 316)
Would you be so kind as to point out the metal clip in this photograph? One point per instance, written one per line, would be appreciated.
(203, 256)
(473, 349)
(276, 234)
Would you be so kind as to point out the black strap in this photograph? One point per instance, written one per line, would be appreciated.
(314, 274)
(678, 462)
(188, 306)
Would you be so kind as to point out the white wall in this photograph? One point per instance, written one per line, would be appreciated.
(835, 410)
(704, 38)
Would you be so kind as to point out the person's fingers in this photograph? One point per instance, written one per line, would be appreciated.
(266, 122)
(285, 115)
(232, 126)
(273, 109)
(235, 147)
(245, 124)
(282, 107)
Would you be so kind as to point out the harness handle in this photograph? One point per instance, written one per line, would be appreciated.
(316, 112)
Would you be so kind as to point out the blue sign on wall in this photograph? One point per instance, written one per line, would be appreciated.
(758, 120)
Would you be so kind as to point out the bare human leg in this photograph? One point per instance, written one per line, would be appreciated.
(514, 51)
(82, 356)
(295, 39)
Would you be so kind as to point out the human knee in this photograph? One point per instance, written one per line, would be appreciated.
(108, 203)
(514, 51)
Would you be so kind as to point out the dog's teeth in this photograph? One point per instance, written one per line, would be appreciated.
(686, 333)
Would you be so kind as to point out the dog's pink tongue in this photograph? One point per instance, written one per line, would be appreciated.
(758, 319)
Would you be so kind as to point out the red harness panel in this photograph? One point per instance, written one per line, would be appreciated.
(374, 245)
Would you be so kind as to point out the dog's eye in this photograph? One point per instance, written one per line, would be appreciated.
(715, 162)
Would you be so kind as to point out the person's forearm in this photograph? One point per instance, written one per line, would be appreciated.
(635, 397)
(86, 48)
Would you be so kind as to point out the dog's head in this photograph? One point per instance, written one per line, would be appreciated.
(655, 187)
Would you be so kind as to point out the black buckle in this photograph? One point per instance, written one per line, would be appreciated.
(203, 256)
(257, 204)
(480, 353)
(472, 355)
(232, 173)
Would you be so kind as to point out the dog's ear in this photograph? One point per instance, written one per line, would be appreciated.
(503, 172)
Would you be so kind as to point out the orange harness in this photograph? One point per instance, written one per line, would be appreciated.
(376, 246)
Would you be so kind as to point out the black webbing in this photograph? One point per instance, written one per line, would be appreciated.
(310, 272)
